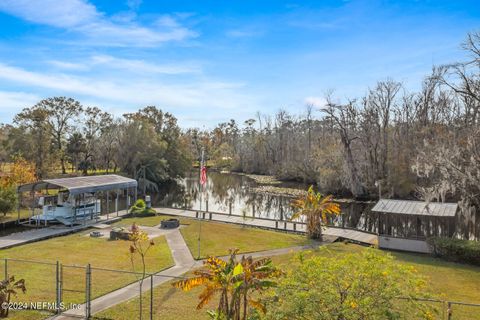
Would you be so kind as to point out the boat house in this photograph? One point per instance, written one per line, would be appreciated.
(74, 200)
(405, 225)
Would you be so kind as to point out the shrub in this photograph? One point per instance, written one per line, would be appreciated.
(8, 199)
(456, 250)
(139, 209)
(354, 286)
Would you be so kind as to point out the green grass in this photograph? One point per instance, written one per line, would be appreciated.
(77, 250)
(214, 240)
(450, 281)
(24, 213)
(168, 303)
(218, 238)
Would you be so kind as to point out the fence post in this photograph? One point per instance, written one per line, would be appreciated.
(276, 224)
(88, 284)
(206, 205)
(294, 226)
(61, 282)
(253, 210)
(151, 297)
(285, 225)
(449, 310)
(6, 269)
(57, 287)
(210, 215)
(230, 208)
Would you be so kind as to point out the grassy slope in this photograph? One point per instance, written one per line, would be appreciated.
(448, 280)
(77, 249)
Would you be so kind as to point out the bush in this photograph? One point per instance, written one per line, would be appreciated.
(139, 209)
(456, 250)
(8, 199)
(353, 286)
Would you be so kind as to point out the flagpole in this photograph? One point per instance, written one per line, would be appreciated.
(201, 191)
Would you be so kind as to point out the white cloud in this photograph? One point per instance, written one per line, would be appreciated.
(136, 92)
(64, 14)
(12, 102)
(134, 4)
(315, 101)
(68, 65)
(132, 65)
(81, 17)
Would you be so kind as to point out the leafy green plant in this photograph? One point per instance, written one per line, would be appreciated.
(234, 282)
(457, 250)
(140, 245)
(140, 209)
(364, 285)
(316, 208)
(8, 199)
(8, 288)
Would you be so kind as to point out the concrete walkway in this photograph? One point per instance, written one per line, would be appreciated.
(355, 235)
(37, 234)
(183, 263)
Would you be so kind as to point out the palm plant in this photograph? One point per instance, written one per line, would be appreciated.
(316, 208)
(252, 276)
(8, 288)
(234, 281)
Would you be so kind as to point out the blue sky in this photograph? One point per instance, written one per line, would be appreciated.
(210, 61)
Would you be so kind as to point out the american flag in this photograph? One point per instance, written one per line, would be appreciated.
(203, 175)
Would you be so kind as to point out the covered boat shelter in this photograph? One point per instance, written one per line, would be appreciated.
(414, 221)
(78, 187)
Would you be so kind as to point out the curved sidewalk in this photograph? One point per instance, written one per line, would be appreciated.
(184, 262)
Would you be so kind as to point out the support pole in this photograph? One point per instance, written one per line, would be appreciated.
(57, 288)
(116, 204)
(84, 210)
(19, 197)
(108, 204)
(6, 269)
(88, 286)
(151, 297)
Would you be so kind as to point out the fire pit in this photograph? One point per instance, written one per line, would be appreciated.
(170, 223)
(119, 233)
(95, 234)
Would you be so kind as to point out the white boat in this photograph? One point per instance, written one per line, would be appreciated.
(56, 208)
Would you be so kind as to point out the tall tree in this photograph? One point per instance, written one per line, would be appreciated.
(59, 112)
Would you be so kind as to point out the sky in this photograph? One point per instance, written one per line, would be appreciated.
(210, 61)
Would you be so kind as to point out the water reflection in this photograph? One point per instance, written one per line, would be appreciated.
(232, 194)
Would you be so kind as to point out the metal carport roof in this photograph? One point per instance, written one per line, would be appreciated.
(78, 185)
(422, 208)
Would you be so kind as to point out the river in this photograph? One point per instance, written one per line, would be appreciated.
(234, 193)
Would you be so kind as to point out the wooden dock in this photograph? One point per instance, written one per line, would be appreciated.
(350, 234)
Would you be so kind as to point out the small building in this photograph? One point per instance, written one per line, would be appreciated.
(74, 200)
(405, 225)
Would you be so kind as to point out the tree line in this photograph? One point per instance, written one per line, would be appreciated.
(423, 144)
(61, 136)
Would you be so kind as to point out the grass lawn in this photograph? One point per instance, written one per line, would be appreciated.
(24, 213)
(450, 281)
(217, 237)
(77, 250)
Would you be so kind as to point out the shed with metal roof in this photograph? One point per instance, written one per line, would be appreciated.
(415, 219)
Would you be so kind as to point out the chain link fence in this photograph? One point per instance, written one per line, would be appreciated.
(56, 289)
